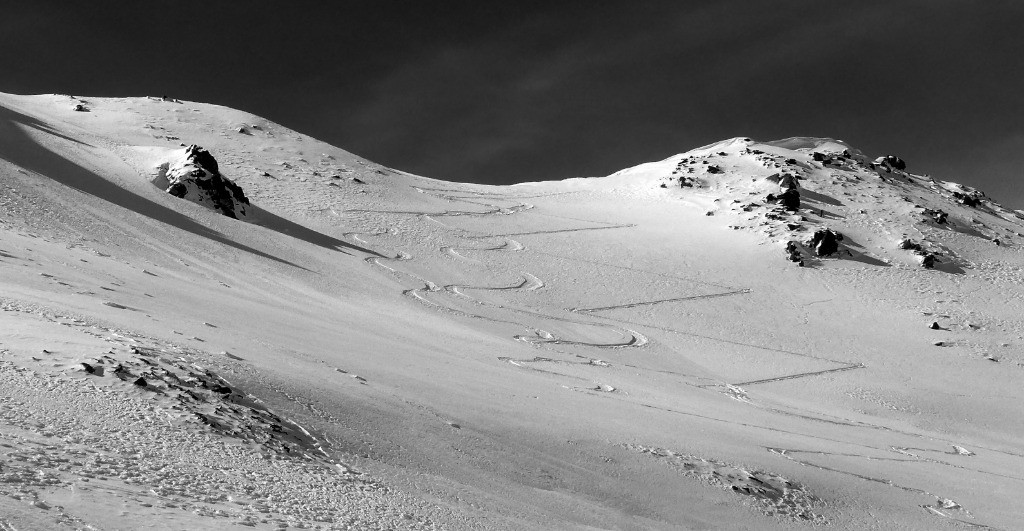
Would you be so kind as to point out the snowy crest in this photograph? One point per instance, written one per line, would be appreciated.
(193, 175)
(794, 190)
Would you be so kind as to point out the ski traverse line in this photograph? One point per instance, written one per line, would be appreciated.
(723, 340)
(803, 374)
(551, 231)
(495, 195)
(638, 270)
(650, 303)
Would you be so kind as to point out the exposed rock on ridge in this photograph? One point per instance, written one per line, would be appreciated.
(195, 176)
(820, 198)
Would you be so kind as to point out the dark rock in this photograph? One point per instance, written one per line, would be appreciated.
(938, 216)
(818, 156)
(793, 253)
(202, 158)
(81, 108)
(122, 372)
(788, 180)
(967, 199)
(141, 382)
(88, 368)
(890, 161)
(663, 185)
(790, 161)
(197, 178)
(177, 190)
(926, 258)
(935, 326)
(714, 169)
(908, 245)
(358, 181)
(825, 242)
(790, 200)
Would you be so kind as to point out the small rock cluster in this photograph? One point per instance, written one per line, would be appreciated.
(925, 257)
(890, 162)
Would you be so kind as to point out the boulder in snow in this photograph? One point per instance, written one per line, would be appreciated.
(793, 253)
(891, 161)
(825, 242)
(938, 216)
(790, 200)
(194, 176)
(788, 180)
(967, 199)
(909, 245)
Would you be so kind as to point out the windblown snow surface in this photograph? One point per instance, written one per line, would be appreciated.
(370, 349)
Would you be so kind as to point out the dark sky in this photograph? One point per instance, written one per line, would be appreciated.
(502, 92)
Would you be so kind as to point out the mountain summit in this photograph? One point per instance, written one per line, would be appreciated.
(790, 190)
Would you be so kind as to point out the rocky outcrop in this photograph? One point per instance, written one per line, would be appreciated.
(790, 200)
(195, 176)
(938, 216)
(925, 257)
(825, 242)
(971, 199)
(891, 161)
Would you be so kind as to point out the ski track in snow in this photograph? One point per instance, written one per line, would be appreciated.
(538, 336)
(430, 294)
(778, 495)
(775, 501)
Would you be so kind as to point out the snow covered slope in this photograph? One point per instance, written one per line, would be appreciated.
(364, 348)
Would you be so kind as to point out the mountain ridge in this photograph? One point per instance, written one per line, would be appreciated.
(587, 353)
